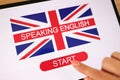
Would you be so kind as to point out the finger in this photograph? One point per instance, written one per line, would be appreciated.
(92, 73)
(111, 65)
(88, 78)
(116, 55)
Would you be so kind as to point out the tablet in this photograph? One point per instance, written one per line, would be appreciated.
(39, 39)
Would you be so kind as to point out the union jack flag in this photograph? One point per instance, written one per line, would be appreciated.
(45, 32)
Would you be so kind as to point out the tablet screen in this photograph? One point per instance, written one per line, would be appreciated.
(39, 39)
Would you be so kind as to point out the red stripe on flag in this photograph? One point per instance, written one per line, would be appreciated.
(24, 23)
(87, 35)
(69, 17)
(77, 25)
(29, 35)
(34, 49)
(58, 36)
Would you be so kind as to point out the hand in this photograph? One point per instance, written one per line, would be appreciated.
(110, 69)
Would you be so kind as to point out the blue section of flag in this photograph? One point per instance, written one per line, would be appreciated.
(38, 17)
(16, 27)
(87, 13)
(48, 47)
(75, 42)
(66, 11)
(92, 31)
(22, 47)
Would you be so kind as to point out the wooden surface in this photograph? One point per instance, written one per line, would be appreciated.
(118, 5)
(13, 1)
(2, 2)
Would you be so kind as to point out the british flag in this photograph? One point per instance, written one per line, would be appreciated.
(45, 32)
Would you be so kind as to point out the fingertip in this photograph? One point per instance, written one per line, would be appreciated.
(116, 55)
(75, 63)
(105, 60)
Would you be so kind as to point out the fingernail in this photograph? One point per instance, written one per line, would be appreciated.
(75, 63)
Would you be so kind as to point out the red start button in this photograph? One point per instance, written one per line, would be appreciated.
(62, 61)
